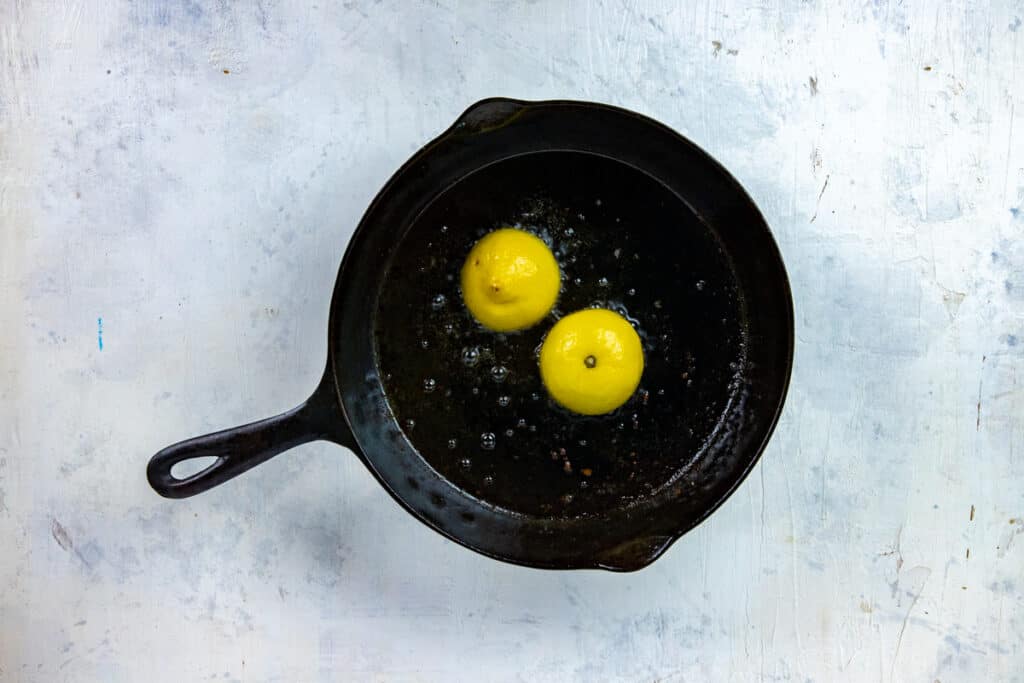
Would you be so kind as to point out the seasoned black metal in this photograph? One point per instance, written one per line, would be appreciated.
(643, 221)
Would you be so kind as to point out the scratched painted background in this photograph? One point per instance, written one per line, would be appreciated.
(189, 172)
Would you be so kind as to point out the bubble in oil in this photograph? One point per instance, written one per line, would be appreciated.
(521, 423)
(577, 281)
(631, 291)
(535, 396)
(452, 443)
(488, 480)
(509, 432)
(465, 463)
(470, 356)
(602, 282)
(449, 328)
(533, 428)
(444, 228)
(424, 343)
(488, 441)
(475, 391)
(429, 385)
(597, 202)
(569, 232)
(617, 253)
(657, 303)
(700, 285)
(438, 302)
(503, 401)
(499, 373)
(410, 424)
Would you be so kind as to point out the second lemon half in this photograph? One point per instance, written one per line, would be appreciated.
(510, 280)
(591, 361)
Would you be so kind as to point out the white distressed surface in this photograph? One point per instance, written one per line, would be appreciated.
(202, 215)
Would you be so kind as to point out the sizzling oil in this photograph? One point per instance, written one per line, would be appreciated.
(471, 401)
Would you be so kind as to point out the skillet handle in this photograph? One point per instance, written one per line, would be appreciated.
(241, 448)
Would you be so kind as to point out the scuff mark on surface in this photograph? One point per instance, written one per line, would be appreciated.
(903, 627)
(61, 535)
(896, 550)
(1016, 528)
(977, 423)
(952, 300)
(818, 203)
(812, 81)
(63, 539)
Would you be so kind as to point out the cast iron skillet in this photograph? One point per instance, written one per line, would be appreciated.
(453, 420)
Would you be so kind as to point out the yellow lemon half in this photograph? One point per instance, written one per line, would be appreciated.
(510, 280)
(591, 361)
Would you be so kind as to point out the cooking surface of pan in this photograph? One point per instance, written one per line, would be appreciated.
(471, 400)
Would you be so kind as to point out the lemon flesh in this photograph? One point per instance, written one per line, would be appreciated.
(591, 361)
(510, 280)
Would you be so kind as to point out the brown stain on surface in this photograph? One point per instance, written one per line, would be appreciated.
(972, 513)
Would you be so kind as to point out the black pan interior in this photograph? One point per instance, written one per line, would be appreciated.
(471, 401)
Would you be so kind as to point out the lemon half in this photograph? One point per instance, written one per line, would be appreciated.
(510, 280)
(591, 361)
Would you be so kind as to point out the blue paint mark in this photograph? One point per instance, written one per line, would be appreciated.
(1015, 211)
(99, 332)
